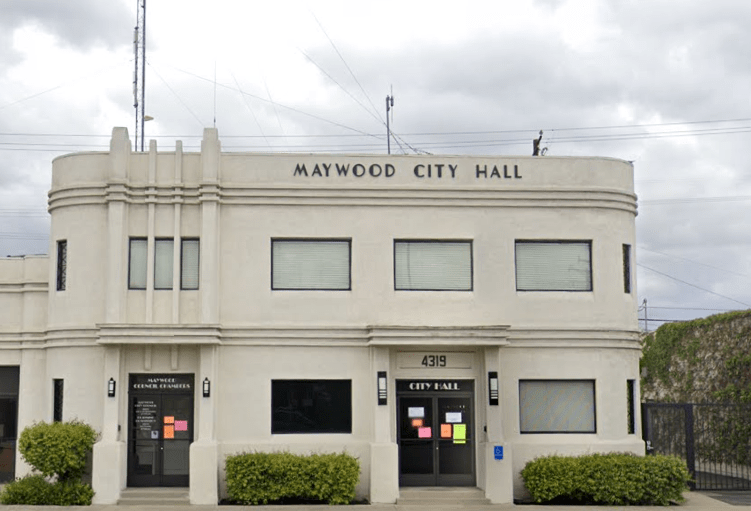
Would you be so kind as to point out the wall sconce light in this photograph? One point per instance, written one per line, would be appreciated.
(206, 387)
(111, 388)
(382, 388)
(493, 388)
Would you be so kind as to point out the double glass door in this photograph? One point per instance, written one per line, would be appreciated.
(436, 442)
(161, 431)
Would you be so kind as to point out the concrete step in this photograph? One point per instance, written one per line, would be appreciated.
(438, 497)
(154, 497)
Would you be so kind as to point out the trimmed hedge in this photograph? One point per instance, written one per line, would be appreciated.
(609, 479)
(57, 450)
(36, 491)
(260, 478)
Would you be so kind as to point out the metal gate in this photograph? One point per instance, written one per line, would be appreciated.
(713, 439)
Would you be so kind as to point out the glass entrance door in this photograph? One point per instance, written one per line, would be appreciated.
(160, 433)
(436, 443)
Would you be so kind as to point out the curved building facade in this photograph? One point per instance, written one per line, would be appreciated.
(444, 318)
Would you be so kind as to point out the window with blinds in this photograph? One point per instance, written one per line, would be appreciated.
(189, 263)
(307, 264)
(432, 265)
(164, 249)
(137, 263)
(557, 406)
(554, 266)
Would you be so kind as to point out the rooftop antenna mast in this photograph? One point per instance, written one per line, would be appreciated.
(139, 76)
(389, 104)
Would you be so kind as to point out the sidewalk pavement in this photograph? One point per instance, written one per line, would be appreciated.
(695, 501)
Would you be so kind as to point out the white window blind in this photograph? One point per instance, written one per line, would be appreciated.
(310, 264)
(433, 265)
(553, 266)
(557, 406)
(163, 257)
(189, 264)
(137, 264)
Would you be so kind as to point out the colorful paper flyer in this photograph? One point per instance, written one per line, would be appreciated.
(460, 433)
(181, 425)
(445, 430)
(169, 419)
(417, 423)
(169, 431)
(453, 417)
(416, 412)
(424, 432)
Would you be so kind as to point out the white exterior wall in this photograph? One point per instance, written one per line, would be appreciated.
(240, 334)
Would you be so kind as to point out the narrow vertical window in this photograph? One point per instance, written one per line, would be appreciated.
(163, 257)
(627, 268)
(631, 404)
(137, 264)
(57, 399)
(189, 268)
(62, 264)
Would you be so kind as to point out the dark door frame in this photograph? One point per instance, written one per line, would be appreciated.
(160, 394)
(437, 444)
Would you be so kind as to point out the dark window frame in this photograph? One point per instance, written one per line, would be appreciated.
(62, 264)
(626, 268)
(341, 392)
(554, 432)
(560, 242)
(182, 279)
(58, 387)
(312, 240)
(131, 239)
(631, 406)
(470, 242)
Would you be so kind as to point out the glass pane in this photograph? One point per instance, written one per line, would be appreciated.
(416, 457)
(454, 458)
(553, 266)
(145, 458)
(557, 406)
(310, 265)
(137, 268)
(433, 266)
(189, 264)
(311, 406)
(163, 258)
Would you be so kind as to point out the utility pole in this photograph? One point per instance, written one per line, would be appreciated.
(389, 104)
(139, 75)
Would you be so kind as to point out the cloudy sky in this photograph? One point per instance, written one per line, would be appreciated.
(663, 83)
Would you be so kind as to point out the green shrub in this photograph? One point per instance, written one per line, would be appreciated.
(610, 479)
(36, 491)
(58, 449)
(260, 478)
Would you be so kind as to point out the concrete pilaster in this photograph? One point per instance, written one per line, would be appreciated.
(384, 452)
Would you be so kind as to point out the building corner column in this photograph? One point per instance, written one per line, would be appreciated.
(499, 475)
(32, 402)
(384, 452)
(204, 454)
(108, 475)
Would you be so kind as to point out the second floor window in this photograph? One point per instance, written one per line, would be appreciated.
(310, 264)
(554, 265)
(164, 257)
(429, 265)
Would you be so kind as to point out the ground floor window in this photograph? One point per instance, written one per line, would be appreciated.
(557, 406)
(311, 406)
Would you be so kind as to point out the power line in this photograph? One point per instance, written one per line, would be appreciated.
(693, 285)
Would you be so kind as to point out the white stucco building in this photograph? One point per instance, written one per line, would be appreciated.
(444, 318)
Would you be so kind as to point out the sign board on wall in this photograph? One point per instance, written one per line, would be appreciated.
(434, 359)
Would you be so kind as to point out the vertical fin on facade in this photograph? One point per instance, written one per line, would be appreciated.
(119, 153)
(211, 150)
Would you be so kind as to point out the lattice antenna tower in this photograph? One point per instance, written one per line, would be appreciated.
(139, 75)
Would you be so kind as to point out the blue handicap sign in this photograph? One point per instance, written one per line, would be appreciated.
(498, 452)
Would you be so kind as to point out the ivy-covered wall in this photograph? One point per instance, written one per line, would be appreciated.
(701, 361)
